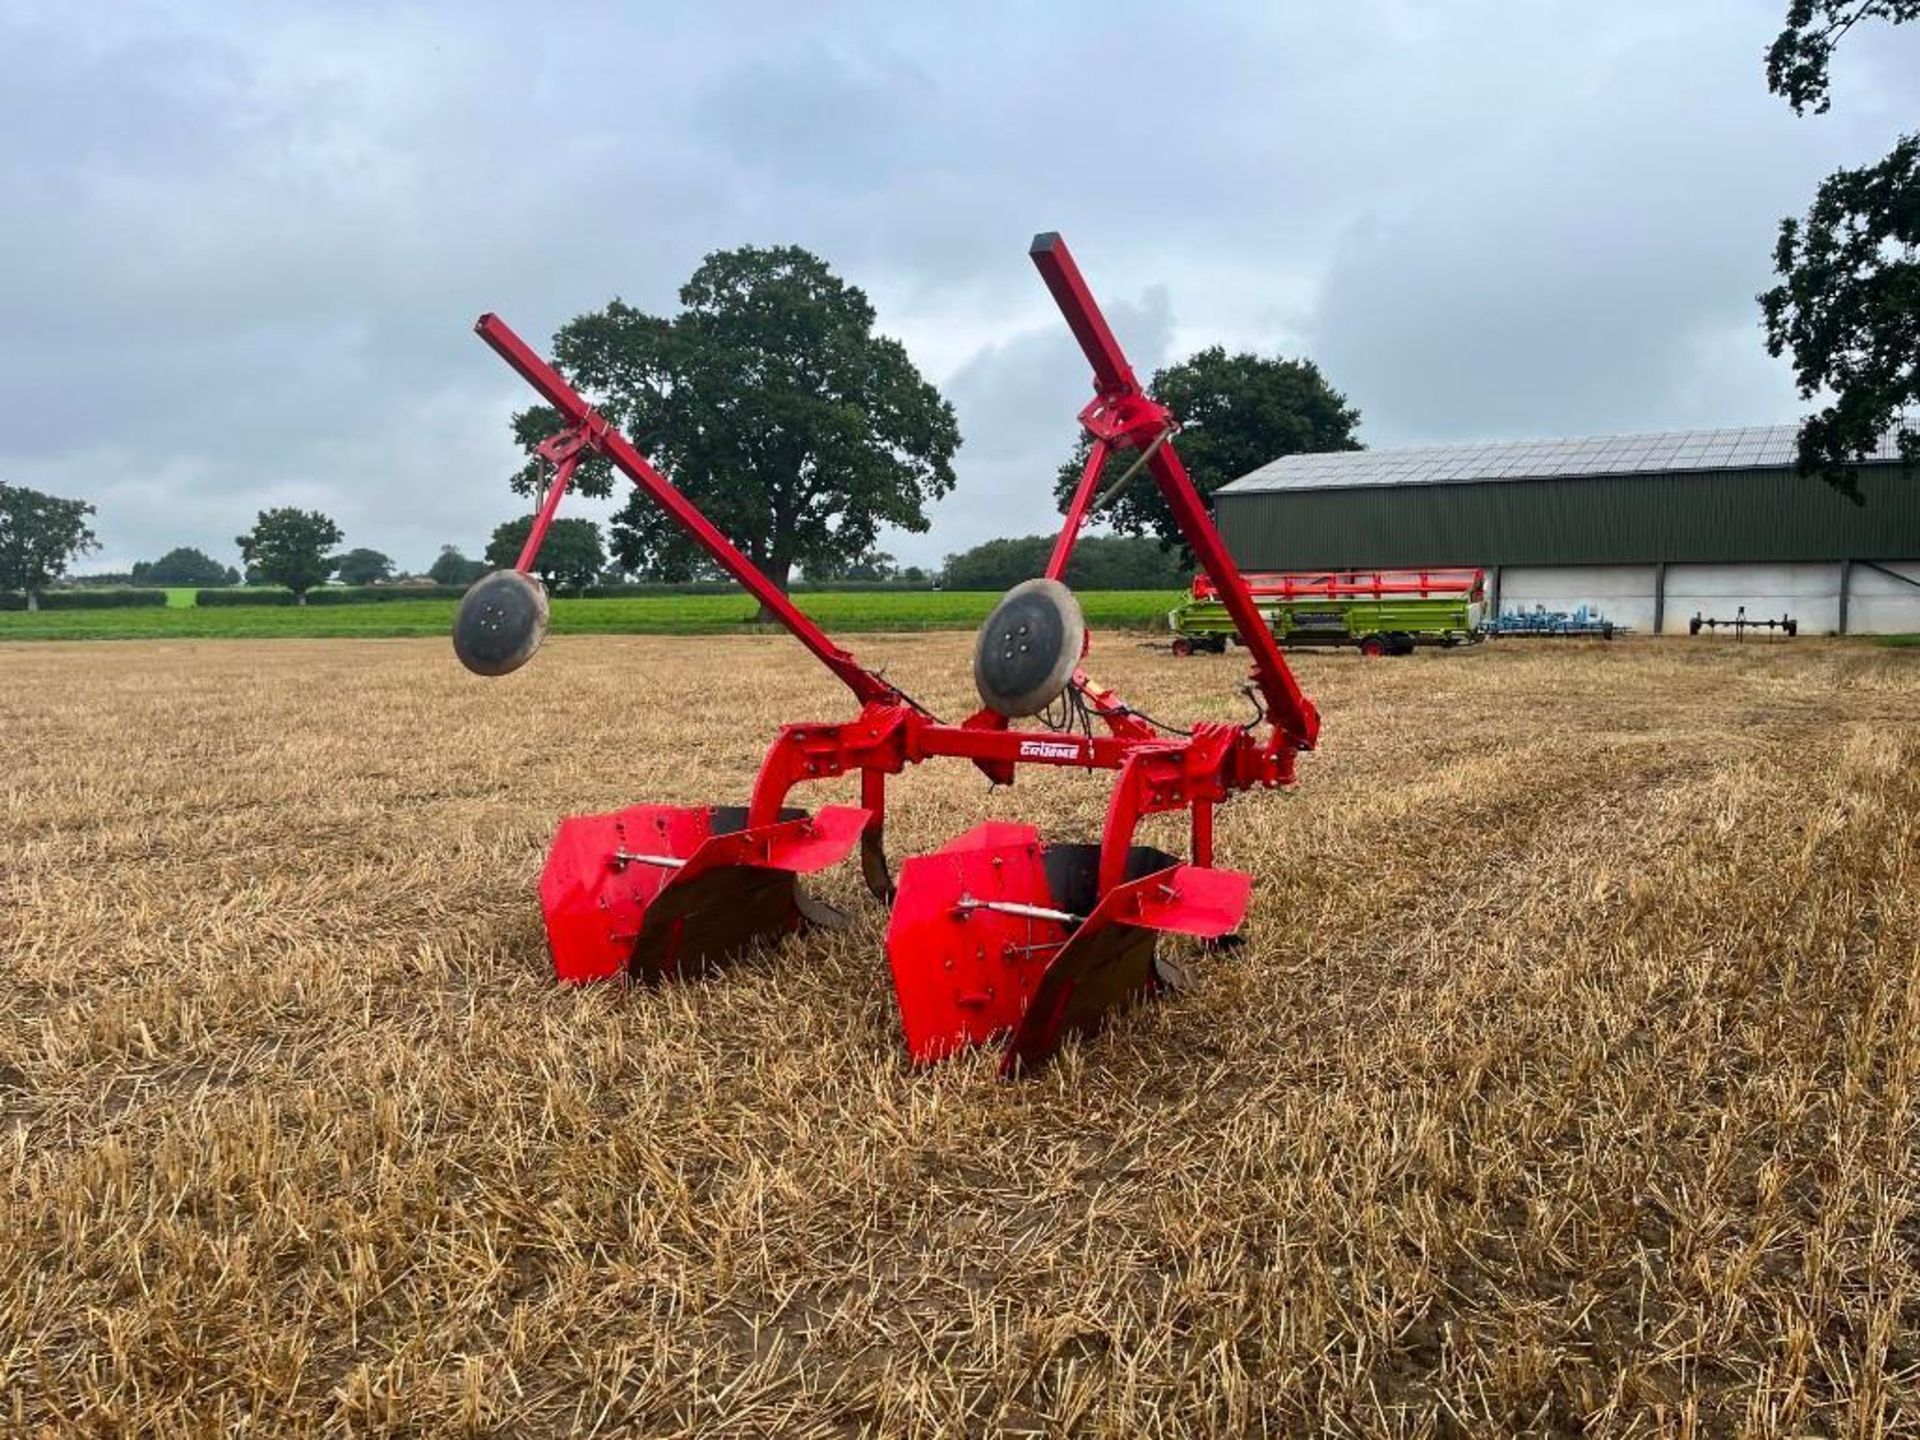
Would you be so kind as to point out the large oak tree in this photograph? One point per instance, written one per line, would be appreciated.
(1238, 412)
(771, 403)
(39, 537)
(290, 547)
(1847, 307)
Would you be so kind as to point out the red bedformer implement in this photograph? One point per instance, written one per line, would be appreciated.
(999, 936)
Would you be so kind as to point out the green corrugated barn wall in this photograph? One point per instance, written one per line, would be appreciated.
(1730, 516)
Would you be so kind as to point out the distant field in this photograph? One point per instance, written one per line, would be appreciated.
(651, 615)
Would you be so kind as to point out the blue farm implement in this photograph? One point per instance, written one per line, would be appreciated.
(1541, 623)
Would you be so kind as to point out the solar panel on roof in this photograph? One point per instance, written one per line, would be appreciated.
(1751, 446)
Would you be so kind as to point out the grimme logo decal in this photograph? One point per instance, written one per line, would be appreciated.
(1048, 750)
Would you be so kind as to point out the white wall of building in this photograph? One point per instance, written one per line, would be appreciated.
(1810, 593)
(1882, 605)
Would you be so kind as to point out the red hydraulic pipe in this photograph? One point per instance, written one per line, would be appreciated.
(1333, 584)
(595, 430)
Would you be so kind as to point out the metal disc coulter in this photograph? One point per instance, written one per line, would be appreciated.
(500, 622)
(1028, 649)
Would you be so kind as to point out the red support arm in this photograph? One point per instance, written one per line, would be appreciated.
(594, 429)
(1077, 511)
(1122, 411)
(537, 534)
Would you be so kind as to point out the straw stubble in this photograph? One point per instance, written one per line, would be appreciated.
(1566, 1082)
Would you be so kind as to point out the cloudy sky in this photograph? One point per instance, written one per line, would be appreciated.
(244, 244)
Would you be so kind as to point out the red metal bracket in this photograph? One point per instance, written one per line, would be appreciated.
(1122, 411)
(1130, 418)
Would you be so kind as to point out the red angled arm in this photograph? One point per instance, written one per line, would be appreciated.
(1123, 411)
(1112, 375)
(1077, 511)
(598, 434)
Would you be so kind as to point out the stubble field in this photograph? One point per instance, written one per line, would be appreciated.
(1566, 1084)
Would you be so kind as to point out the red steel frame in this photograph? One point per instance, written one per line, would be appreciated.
(1157, 773)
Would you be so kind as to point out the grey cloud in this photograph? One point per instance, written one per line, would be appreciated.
(1572, 277)
(246, 244)
(1016, 401)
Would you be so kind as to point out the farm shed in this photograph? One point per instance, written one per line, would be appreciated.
(1649, 529)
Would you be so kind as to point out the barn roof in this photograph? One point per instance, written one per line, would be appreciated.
(1769, 447)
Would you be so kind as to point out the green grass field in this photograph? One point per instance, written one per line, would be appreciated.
(661, 615)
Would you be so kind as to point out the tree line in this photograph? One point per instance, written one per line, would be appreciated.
(292, 548)
(42, 535)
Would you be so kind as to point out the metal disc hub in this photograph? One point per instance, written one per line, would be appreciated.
(1027, 650)
(500, 623)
